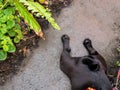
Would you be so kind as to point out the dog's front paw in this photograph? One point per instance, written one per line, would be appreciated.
(87, 42)
(65, 37)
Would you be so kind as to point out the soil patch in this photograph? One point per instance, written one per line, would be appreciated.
(11, 66)
(113, 67)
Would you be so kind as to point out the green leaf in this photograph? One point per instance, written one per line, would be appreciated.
(3, 25)
(3, 19)
(5, 48)
(3, 55)
(4, 42)
(53, 23)
(3, 30)
(16, 40)
(11, 33)
(8, 11)
(18, 31)
(17, 26)
(118, 63)
(28, 18)
(12, 48)
(17, 19)
(11, 17)
(35, 7)
(1, 14)
(11, 23)
(0, 45)
(1, 36)
(13, 9)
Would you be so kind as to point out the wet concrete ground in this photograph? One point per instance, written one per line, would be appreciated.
(98, 20)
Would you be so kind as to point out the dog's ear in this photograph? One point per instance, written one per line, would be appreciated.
(92, 64)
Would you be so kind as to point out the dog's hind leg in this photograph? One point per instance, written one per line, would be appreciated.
(66, 63)
(88, 45)
(65, 40)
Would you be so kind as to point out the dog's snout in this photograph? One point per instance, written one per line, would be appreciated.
(92, 64)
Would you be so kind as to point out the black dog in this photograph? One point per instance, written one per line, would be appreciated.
(86, 71)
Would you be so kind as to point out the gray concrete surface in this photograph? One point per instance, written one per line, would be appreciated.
(84, 18)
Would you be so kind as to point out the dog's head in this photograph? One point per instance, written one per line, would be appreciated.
(90, 73)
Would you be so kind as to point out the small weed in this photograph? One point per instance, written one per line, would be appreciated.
(118, 49)
(118, 63)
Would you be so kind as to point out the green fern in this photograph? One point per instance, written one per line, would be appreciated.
(35, 7)
(29, 19)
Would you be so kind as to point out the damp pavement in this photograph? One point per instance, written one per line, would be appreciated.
(98, 20)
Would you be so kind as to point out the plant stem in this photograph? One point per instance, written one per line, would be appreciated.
(4, 5)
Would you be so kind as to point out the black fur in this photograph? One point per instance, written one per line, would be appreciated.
(86, 71)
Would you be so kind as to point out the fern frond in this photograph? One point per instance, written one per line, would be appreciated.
(35, 7)
(29, 19)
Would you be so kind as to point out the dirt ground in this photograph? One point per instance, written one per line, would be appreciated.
(98, 20)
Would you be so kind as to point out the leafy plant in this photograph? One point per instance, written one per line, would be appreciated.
(10, 31)
(35, 7)
(28, 17)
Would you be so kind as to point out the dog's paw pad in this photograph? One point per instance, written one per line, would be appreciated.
(68, 49)
(65, 37)
(87, 41)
